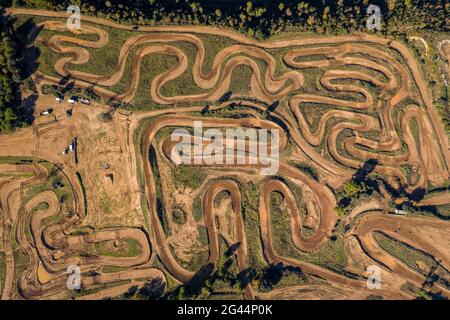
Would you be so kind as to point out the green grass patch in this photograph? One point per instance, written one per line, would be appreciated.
(178, 216)
(197, 210)
(404, 253)
(189, 176)
(15, 160)
(2, 269)
(125, 248)
(83, 188)
(106, 204)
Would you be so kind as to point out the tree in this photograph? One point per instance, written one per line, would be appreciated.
(10, 78)
(352, 189)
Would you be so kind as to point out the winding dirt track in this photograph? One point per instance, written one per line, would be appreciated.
(55, 238)
(353, 66)
(54, 247)
(339, 51)
(405, 230)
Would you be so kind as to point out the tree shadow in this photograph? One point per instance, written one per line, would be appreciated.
(366, 168)
(64, 80)
(437, 296)
(194, 286)
(225, 97)
(153, 289)
(27, 108)
(67, 87)
(273, 106)
(246, 276)
(345, 202)
(232, 249)
(205, 110)
(26, 35)
(131, 292)
(274, 273)
(417, 194)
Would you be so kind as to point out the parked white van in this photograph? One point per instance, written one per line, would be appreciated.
(73, 99)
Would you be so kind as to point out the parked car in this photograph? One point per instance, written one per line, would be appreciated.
(47, 112)
(65, 151)
(73, 145)
(59, 99)
(85, 101)
(73, 99)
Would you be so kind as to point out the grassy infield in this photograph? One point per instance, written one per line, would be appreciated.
(103, 61)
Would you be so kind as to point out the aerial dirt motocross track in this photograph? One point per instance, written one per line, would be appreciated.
(372, 92)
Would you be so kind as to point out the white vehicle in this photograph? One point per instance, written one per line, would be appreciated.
(47, 112)
(73, 99)
(73, 145)
(59, 99)
(65, 151)
(400, 212)
(85, 101)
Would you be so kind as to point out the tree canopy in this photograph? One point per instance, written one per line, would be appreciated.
(262, 18)
(10, 79)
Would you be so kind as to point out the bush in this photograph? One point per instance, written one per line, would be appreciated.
(105, 117)
(352, 189)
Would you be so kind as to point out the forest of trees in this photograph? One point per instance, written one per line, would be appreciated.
(10, 79)
(262, 18)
